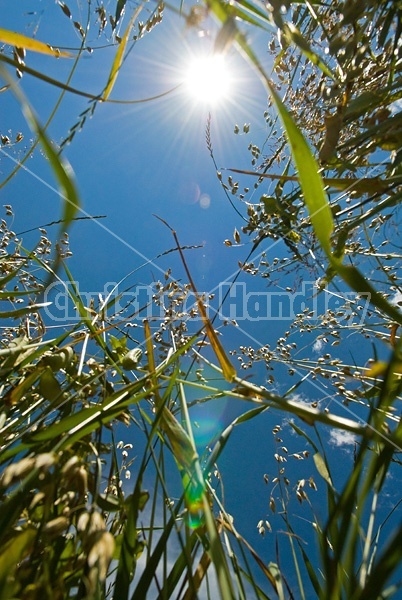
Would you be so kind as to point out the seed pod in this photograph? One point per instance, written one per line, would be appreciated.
(333, 126)
(71, 466)
(56, 526)
(17, 471)
(65, 9)
(82, 481)
(82, 522)
(131, 359)
(101, 553)
(44, 460)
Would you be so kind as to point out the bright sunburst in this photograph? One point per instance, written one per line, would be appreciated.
(207, 79)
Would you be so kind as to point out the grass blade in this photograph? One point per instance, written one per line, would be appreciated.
(228, 369)
(118, 59)
(22, 41)
(60, 166)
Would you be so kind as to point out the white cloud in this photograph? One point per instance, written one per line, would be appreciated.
(396, 106)
(318, 346)
(300, 398)
(397, 299)
(340, 438)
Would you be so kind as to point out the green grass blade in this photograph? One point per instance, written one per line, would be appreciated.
(311, 183)
(179, 567)
(224, 437)
(60, 166)
(128, 553)
(383, 568)
(309, 177)
(20, 312)
(13, 552)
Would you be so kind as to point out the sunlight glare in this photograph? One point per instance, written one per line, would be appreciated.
(207, 79)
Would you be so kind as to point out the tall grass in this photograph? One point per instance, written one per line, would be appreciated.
(81, 515)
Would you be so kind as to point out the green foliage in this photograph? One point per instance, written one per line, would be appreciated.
(70, 524)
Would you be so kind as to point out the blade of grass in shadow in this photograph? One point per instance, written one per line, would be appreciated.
(310, 568)
(154, 558)
(127, 559)
(366, 480)
(120, 8)
(322, 466)
(225, 518)
(235, 557)
(237, 572)
(143, 584)
(384, 567)
(185, 545)
(260, 594)
(198, 576)
(12, 554)
(179, 567)
(343, 529)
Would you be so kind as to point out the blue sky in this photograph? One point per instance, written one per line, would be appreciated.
(134, 161)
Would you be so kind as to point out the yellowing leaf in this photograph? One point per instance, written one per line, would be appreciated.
(118, 59)
(23, 41)
(333, 127)
(379, 369)
(14, 395)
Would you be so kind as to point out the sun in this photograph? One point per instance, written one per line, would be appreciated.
(207, 79)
